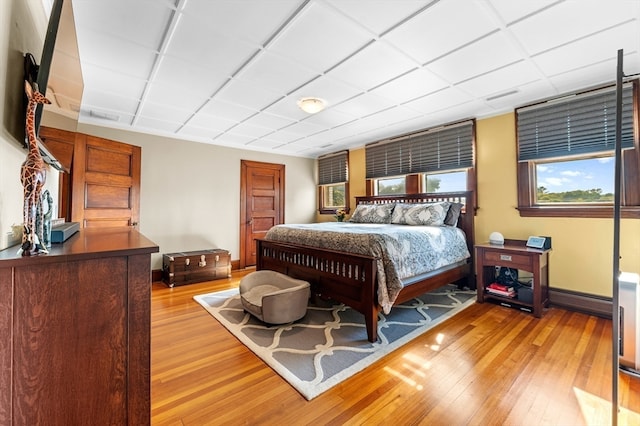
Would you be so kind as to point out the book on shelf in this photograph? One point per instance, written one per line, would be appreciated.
(501, 287)
(509, 294)
(501, 290)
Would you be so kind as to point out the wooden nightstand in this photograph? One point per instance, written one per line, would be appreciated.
(514, 254)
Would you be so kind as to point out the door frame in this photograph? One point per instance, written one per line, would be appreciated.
(245, 167)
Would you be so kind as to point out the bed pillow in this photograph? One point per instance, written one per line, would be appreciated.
(420, 214)
(453, 214)
(372, 213)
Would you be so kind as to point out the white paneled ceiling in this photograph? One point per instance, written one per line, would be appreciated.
(229, 72)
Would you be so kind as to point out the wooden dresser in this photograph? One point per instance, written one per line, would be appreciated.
(75, 331)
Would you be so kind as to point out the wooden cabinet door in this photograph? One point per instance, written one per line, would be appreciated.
(106, 183)
(71, 343)
(61, 143)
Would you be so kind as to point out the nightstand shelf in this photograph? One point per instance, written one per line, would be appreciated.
(514, 254)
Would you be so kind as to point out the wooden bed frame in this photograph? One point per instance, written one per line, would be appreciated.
(351, 278)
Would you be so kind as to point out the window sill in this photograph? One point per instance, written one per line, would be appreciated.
(604, 212)
(332, 210)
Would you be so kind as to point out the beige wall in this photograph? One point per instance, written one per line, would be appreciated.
(357, 175)
(190, 192)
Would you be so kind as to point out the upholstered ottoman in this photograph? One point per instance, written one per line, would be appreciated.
(273, 297)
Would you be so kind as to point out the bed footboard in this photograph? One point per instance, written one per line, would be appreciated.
(346, 278)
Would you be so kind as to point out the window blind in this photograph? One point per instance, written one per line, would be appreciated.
(435, 150)
(333, 168)
(578, 125)
(388, 159)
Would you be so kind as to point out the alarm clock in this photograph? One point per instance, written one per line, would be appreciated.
(496, 239)
(542, 243)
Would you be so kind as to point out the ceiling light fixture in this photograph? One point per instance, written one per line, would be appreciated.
(311, 105)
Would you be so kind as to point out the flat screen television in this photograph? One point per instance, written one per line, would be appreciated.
(39, 74)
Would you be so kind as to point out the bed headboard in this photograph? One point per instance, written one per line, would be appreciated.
(465, 222)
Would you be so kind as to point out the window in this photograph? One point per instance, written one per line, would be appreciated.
(391, 186)
(333, 177)
(334, 196)
(434, 160)
(445, 182)
(588, 180)
(566, 155)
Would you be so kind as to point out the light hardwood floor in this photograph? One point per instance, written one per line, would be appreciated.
(488, 365)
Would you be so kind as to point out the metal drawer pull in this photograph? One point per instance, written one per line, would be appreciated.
(217, 258)
(187, 261)
(203, 261)
(505, 257)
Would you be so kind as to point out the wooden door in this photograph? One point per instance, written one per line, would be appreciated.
(106, 183)
(261, 205)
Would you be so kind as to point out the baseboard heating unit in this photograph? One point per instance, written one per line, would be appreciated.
(629, 285)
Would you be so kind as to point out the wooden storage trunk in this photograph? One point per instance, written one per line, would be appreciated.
(195, 266)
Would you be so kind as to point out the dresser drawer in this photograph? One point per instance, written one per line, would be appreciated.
(512, 260)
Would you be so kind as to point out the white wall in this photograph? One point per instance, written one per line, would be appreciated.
(190, 192)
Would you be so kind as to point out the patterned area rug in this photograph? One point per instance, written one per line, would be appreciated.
(330, 343)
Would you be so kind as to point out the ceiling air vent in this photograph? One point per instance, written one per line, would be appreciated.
(502, 95)
(104, 115)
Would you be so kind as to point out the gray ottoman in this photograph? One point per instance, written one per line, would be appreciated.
(273, 297)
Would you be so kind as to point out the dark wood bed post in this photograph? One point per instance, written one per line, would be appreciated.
(351, 278)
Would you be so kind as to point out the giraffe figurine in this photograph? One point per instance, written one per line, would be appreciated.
(33, 175)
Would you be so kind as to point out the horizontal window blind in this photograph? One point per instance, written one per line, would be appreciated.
(578, 125)
(388, 159)
(333, 168)
(434, 150)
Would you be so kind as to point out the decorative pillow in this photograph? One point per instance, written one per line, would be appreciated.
(372, 213)
(453, 214)
(420, 214)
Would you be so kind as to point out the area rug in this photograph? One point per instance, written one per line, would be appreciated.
(330, 343)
